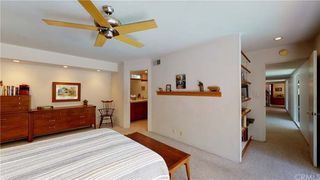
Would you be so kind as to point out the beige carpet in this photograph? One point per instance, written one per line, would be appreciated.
(285, 155)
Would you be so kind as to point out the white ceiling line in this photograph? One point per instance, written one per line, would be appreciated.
(10, 51)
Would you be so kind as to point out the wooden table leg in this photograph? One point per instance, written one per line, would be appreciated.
(187, 164)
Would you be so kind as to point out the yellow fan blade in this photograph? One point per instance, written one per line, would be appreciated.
(101, 39)
(138, 26)
(129, 41)
(69, 25)
(94, 12)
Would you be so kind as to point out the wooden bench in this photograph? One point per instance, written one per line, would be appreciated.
(173, 157)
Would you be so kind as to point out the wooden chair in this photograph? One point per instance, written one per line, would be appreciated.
(106, 111)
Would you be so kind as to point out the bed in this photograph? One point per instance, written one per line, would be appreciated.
(95, 154)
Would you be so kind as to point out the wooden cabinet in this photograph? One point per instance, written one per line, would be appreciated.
(138, 110)
(14, 117)
(61, 119)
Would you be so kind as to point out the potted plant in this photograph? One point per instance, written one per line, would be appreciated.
(85, 102)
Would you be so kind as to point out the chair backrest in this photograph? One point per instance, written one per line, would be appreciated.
(106, 111)
(107, 103)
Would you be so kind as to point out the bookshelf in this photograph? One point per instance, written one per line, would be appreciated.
(245, 100)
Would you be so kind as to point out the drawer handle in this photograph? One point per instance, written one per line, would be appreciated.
(52, 127)
(52, 120)
(82, 116)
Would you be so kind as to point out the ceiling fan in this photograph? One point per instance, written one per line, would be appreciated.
(108, 27)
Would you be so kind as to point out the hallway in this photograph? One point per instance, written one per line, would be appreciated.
(285, 148)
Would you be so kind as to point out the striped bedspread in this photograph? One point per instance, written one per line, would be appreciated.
(97, 154)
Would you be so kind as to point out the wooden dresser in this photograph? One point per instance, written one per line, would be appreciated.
(43, 122)
(14, 117)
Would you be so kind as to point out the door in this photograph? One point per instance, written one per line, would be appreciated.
(312, 108)
(299, 108)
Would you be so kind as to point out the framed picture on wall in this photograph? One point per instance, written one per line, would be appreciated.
(65, 91)
(181, 81)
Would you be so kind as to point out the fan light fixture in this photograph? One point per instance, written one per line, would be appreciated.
(65, 67)
(278, 38)
(16, 61)
(108, 27)
(283, 52)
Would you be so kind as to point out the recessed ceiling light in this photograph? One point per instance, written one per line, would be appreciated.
(16, 61)
(65, 66)
(283, 52)
(277, 38)
(98, 70)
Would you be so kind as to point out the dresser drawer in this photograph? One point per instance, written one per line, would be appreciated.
(14, 104)
(46, 122)
(14, 126)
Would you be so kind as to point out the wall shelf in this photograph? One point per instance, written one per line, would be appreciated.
(245, 145)
(245, 82)
(245, 68)
(246, 99)
(190, 93)
(245, 111)
(245, 57)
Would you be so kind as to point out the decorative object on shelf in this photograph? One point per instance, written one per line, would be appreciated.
(160, 89)
(214, 88)
(17, 91)
(244, 91)
(64, 91)
(44, 107)
(168, 87)
(200, 84)
(242, 76)
(190, 93)
(85, 102)
(181, 81)
(1, 88)
(24, 89)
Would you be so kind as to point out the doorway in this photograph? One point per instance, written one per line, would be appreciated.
(298, 106)
(275, 93)
(139, 100)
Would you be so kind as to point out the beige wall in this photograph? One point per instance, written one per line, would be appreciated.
(95, 86)
(136, 88)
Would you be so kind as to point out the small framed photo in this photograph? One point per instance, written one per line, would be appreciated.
(181, 81)
(168, 87)
(64, 91)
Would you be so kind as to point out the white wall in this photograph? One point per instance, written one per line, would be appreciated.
(301, 75)
(117, 94)
(95, 86)
(209, 123)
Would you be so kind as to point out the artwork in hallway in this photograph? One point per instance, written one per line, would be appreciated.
(62, 91)
(181, 81)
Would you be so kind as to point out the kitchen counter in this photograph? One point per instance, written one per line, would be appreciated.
(138, 100)
(138, 109)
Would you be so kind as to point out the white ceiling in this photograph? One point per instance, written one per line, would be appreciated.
(282, 70)
(181, 24)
